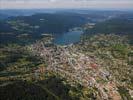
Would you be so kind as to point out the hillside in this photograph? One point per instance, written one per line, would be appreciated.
(121, 25)
(45, 23)
(99, 67)
(114, 26)
(14, 28)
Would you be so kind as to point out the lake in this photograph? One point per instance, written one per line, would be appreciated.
(68, 37)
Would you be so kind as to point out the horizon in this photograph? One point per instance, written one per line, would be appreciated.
(64, 9)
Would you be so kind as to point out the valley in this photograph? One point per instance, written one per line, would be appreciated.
(66, 55)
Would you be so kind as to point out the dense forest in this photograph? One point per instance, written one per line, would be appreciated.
(118, 25)
(39, 23)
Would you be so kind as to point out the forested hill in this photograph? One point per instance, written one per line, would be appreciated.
(123, 25)
(39, 23)
(57, 22)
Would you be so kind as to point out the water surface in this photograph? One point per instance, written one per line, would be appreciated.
(68, 37)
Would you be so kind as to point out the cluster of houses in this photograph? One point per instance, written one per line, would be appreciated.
(72, 65)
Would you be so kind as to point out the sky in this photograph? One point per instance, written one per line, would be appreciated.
(89, 4)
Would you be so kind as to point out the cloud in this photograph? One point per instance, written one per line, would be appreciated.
(116, 4)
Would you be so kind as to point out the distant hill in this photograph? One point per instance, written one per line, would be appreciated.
(122, 25)
(29, 12)
(3, 16)
(18, 22)
(37, 24)
(50, 23)
(116, 25)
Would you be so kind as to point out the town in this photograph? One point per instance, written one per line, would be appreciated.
(77, 68)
